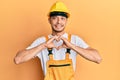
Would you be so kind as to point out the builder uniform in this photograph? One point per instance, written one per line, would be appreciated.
(58, 54)
(58, 64)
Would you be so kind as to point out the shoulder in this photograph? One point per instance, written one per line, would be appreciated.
(37, 42)
(78, 41)
(75, 37)
(40, 39)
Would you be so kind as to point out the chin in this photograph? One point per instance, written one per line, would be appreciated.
(58, 30)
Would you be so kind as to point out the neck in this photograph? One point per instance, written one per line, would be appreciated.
(57, 33)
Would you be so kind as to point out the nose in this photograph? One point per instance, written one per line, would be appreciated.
(58, 20)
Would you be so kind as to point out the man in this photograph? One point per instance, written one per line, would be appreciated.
(57, 43)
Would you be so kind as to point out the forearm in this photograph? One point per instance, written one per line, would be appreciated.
(25, 55)
(89, 53)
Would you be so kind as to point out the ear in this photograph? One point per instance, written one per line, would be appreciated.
(49, 20)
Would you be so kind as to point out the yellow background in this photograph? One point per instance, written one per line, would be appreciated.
(96, 21)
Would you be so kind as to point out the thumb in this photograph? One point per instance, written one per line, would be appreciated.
(51, 39)
(62, 46)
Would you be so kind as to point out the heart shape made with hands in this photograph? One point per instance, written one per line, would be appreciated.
(56, 42)
(61, 41)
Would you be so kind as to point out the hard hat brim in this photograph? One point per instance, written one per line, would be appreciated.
(58, 13)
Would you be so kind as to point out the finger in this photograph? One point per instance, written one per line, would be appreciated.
(62, 46)
(59, 47)
(65, 41)
(51, 39)
(54, 46)
(58, 38)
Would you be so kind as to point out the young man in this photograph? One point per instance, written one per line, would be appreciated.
(57, 43)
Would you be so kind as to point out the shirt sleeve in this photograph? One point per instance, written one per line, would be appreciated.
(80, 42)
(36, 42)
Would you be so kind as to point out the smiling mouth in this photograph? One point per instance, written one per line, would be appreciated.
(58, 26)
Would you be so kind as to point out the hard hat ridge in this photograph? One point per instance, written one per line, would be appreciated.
(59, 8)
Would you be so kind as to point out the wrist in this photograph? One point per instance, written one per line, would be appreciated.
(43, 45)
(72, 46)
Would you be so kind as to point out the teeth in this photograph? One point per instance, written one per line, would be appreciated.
(58, 26)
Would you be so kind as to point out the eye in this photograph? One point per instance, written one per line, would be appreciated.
(63, 18)
(54, 17)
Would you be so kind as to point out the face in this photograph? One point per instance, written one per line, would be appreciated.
(58, 23)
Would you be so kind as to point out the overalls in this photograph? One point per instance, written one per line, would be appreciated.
(59, 69)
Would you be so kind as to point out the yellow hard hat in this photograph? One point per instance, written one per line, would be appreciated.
(59, 7)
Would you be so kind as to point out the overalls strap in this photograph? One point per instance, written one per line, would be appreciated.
(68, 50)
(50, 53)
(67, 53)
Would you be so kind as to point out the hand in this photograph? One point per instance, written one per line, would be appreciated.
(50, 44)
(66, 43)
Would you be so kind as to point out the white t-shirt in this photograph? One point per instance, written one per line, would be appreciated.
(57, 54)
